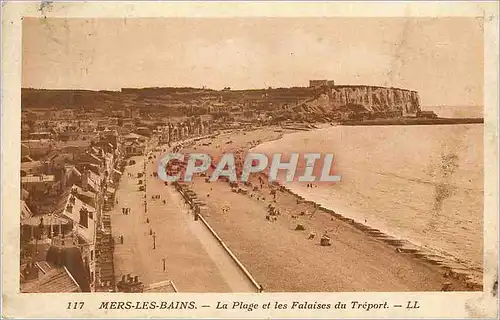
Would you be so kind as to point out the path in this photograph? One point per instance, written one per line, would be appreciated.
(194, 261)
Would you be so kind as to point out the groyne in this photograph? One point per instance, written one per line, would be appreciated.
(471, 278)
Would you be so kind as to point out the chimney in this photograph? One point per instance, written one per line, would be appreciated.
(84, 217)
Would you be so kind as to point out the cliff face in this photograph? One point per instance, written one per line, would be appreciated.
(376, 99)
(316, 100)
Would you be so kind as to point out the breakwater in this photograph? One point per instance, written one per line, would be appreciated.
(470, 277)
(412, 121)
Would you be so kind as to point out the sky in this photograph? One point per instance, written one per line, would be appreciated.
(441, 58)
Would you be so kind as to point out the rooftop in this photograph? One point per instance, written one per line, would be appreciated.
(134, 136)
(25, 210)
(63, 209)
(37, 178)
(51, 280)
(162, 286)
(48, 220)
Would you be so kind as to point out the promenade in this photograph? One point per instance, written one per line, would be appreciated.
(193, 259)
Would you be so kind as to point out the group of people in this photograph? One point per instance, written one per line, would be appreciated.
(125, 211)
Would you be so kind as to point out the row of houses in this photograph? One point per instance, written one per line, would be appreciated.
(192, 127)
(64, 198)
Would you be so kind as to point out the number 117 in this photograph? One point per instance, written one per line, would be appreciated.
(75, 305)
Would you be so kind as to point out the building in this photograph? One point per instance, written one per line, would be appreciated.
(33, 168)
(134, 148)
(25, 210)
(317, 83)
(37, 183)
(218, 108)
(40, 136)
(134, 145)
(84, 221)
(427, 114)
(75, 194)
(37, 148)
(321, 83)
(42, 277)
(143, 131)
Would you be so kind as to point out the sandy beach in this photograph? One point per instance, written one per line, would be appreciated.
(283, 259)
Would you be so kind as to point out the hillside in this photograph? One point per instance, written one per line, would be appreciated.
(318, 101)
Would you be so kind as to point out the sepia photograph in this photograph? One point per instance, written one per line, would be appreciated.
(397, 102)
(247, 160)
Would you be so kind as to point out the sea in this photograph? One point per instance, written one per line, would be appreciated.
(419, 183)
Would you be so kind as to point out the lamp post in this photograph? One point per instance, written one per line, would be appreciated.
(164, 264)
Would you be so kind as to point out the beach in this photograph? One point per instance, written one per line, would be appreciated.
(361, 257)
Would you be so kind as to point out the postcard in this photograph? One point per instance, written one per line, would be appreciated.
(250, 160)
